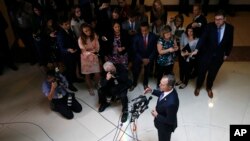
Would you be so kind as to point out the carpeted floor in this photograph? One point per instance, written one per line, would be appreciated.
(240, 54)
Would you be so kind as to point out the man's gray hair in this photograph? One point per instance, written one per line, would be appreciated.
(106, 64)
(171, 80)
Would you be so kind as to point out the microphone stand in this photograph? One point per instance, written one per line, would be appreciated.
(138, 107)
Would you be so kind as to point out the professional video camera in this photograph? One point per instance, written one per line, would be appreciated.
(139, 106)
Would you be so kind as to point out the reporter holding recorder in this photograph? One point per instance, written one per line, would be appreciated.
(165, 112)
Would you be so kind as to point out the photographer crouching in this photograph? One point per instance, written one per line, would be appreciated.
(55, 88)
(114, 84)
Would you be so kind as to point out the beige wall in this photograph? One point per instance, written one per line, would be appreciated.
(9, 31)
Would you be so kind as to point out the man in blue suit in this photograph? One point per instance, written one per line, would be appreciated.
(214, 47)
(165, 113)
(144, 53)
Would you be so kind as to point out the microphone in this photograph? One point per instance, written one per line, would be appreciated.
(139, 97)
(145, 104)
(149, 99)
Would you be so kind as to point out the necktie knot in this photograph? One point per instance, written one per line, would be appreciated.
(161, 96)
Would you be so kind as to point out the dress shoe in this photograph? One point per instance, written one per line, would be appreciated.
(124, 116)
(210, 93)
(182, 86)
(72, 88)
(103, 107)
(131, 88)
(178, 83)
(196, 92)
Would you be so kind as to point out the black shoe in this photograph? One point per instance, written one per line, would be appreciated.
(182, 86)
(72, 88)
(178, 83)
(124, 116)
(103, 107)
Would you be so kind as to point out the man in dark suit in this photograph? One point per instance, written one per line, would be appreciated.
(165, 113)
(114, 84)
(69, 50)
(144, 52)
(214, 47)
(199, 20)
(198, 25)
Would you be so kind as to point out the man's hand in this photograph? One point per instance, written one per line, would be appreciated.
(108, 76)
(148, 90)
(71, 50)
(154, 113)
(195, 24)
(54, 85)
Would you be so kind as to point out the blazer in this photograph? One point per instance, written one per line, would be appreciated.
(198, 30)
(65, 41)
(208, 43)
(167, 108)
(121, 76)
(126, 26)
(140, 52)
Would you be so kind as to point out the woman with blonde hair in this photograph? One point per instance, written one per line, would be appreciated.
(166, 47)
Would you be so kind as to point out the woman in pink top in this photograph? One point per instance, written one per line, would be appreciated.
(89, 45)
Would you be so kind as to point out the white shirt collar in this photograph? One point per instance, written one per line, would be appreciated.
(167, 93)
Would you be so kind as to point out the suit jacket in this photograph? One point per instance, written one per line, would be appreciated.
(167, 111)
(140, 52)
(198, 30)
(126, 26)
(65, 41)
(208, 43)
(122, 81)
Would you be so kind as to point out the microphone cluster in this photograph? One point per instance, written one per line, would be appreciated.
(139, 106)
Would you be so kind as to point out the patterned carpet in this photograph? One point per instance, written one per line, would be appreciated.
(240, 54)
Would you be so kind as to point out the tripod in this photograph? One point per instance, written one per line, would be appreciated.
(138, 107)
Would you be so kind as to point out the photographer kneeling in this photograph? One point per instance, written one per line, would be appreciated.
(114, 84)
(55, 88)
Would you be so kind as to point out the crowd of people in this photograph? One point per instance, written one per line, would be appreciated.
(106, 43)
